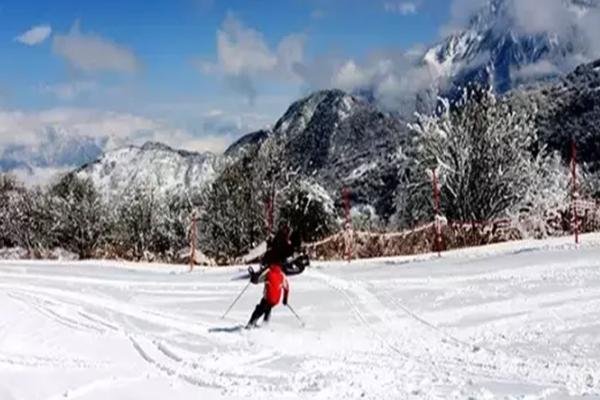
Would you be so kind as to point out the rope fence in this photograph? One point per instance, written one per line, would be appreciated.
(442, 235)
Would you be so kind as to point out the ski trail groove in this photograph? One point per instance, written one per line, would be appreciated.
(443, 333)
(171, 371)
(355, 309)
(41, 306)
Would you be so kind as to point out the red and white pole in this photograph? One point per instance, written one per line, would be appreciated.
(348, 242)
(574, 188)
(193, 241)
(436, 202)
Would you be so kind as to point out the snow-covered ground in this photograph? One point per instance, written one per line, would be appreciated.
(514, 321)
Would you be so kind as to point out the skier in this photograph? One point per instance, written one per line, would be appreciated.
(275, 283)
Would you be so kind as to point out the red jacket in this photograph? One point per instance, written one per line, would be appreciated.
(275, 282)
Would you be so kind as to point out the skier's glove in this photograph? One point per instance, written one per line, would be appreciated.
(253, 275)
(285, 300)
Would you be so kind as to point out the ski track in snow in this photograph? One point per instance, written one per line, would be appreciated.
(517, 322)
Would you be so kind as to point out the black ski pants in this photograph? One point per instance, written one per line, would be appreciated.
(263, 308)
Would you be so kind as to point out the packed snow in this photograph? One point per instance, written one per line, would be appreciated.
(512, 321)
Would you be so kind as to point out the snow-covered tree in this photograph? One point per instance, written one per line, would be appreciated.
(232, 221)
(8, 189)
(28, 223)
(590, 181)
(80, 217)
(234, 215)
(270, 171)
(365, 218)
(173, 224)
(137, 221)
(308, 208)
(481, 150)
(540, 211)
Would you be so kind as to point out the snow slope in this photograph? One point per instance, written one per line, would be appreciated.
(511, 321)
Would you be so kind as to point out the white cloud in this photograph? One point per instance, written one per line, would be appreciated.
(38, 144)
(35, 35)
(232, 124)
(243, 50)
(401, 7)
(350, 76)
(225, 116)
(70, 90)
(93, 53)
(392, 78)
(531, 18)
(461, 11)
(290, 52)
(30, 131)
(590, 24)
(319, 72)
(244, 56)
(26, 128)
(213, 143)
(536, 70)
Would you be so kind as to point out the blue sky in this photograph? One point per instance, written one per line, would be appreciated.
(192, 73)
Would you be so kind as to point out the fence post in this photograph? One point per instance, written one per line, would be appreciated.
(574, 194)
(348, 237)
(193, 241)
(437, 223)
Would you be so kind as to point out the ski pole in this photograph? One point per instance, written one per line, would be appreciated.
(236, 300)
(296, 315)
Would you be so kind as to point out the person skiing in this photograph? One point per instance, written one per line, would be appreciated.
(275, 284)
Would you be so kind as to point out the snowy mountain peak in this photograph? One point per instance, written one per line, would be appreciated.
(336, 104)
(498, 48)
(154, 165)
(250, 140)
(156, 146)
